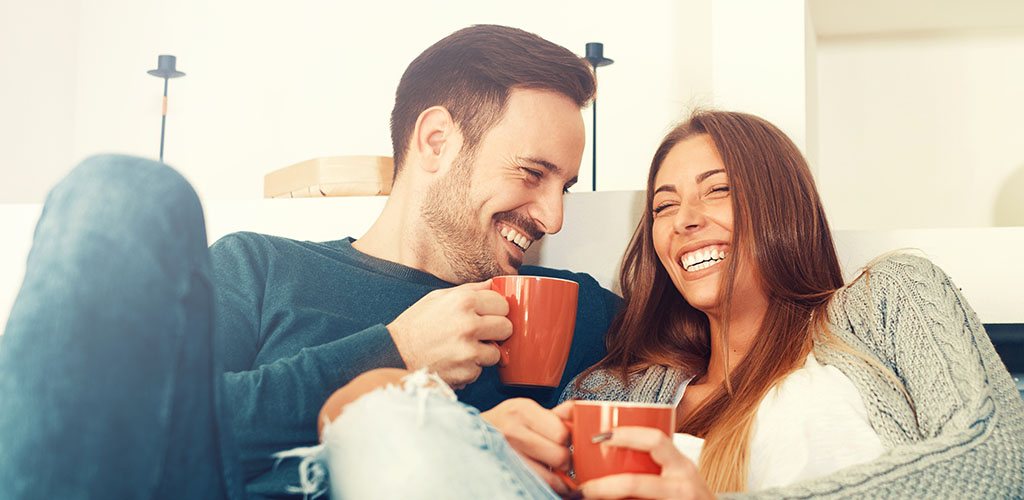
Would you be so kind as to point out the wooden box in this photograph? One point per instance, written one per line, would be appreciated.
(332, 176)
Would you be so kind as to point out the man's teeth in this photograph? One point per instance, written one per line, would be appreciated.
(702, 259)
(512, 235)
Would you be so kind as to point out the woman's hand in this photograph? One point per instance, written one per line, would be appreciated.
(539, 435)
(679, 478)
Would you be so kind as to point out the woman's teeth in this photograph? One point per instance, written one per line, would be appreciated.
(702, 259)
(512, 235)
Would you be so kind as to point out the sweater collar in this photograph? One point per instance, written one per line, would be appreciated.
(387, 267)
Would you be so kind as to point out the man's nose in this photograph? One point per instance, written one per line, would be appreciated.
(548, 212)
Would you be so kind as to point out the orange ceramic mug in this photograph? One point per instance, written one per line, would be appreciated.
(591, 418)
(543, 315)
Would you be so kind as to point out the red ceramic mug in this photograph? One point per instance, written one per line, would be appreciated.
(590, 418)
(543, 315)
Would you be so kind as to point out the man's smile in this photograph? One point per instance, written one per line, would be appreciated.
(515, 236)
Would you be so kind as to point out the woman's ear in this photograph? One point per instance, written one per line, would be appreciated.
(435, 139)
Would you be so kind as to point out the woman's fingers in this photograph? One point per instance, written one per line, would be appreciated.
(628, 486)
(679, 477)
(554, 481)
(533, 431)
(647, 486)
(660, 446)
(564, 409)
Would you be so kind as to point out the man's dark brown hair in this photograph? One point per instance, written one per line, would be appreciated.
(471, 73)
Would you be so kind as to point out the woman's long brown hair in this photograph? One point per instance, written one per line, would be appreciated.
(779, 222)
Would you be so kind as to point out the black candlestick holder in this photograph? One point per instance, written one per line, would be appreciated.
(166, 70)
(595, 55)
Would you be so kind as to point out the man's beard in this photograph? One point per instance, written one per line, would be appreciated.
(449, 215)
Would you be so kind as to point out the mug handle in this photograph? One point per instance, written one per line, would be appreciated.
(566, 479)
(503, 360)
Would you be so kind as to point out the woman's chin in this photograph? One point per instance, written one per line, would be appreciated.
(702, 300)
(703, 306)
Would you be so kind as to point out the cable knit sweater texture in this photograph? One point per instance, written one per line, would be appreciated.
(963, 435)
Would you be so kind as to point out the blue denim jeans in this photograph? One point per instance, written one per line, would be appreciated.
(417, 442)
(109, 387)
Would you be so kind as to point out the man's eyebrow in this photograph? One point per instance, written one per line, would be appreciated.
(550, 167)
(702, 176)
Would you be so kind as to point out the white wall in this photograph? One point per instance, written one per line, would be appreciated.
(38, 72)
(911, 123)
(761, 62)
(272, 83)
(915, 131)
(922, 131)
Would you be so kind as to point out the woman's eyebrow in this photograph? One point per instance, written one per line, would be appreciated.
(704, 175)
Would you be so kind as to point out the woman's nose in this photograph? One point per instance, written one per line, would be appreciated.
(688, 218)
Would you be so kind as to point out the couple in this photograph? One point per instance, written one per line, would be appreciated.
(786, 382)
(110, 368)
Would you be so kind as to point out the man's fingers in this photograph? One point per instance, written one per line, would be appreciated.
(487, 354)
(493, 328)
(460, 377)
(488, 302)
(476, 285)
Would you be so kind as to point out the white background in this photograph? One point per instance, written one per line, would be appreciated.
(909, 111)
(909, 115)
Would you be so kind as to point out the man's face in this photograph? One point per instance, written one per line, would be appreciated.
(491, 206)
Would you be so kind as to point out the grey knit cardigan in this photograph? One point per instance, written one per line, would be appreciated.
(963, 435)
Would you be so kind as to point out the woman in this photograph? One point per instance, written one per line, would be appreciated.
(786, 383)
(762, 326)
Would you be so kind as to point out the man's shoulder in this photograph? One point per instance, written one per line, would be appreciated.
(259, 244)
(584, 279)
(592, 294)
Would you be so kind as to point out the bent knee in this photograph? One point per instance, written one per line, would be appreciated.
(366, 382)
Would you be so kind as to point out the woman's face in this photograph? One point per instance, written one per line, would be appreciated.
(693, 224)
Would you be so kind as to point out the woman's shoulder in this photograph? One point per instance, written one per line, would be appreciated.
(881, 294)
(596, 385)
(896, 303)
(654, 384)
(897, 274)
(903, 267)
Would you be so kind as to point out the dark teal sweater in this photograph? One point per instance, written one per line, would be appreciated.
(297, 320)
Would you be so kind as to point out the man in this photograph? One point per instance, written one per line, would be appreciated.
(109, 352)
(487, 135)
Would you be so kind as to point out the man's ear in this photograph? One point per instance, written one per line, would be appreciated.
(435, 139)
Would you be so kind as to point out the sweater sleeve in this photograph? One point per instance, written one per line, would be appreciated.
(273, 407)
(965, 438)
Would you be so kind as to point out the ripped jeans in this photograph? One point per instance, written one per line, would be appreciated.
(109, 383)
(415, 441)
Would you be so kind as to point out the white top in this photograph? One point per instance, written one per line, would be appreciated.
(811, 424)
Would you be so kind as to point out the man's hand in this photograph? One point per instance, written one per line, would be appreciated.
(539, 435)
(452, 332)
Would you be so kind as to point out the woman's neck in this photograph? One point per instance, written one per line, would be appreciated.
(743, 325)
